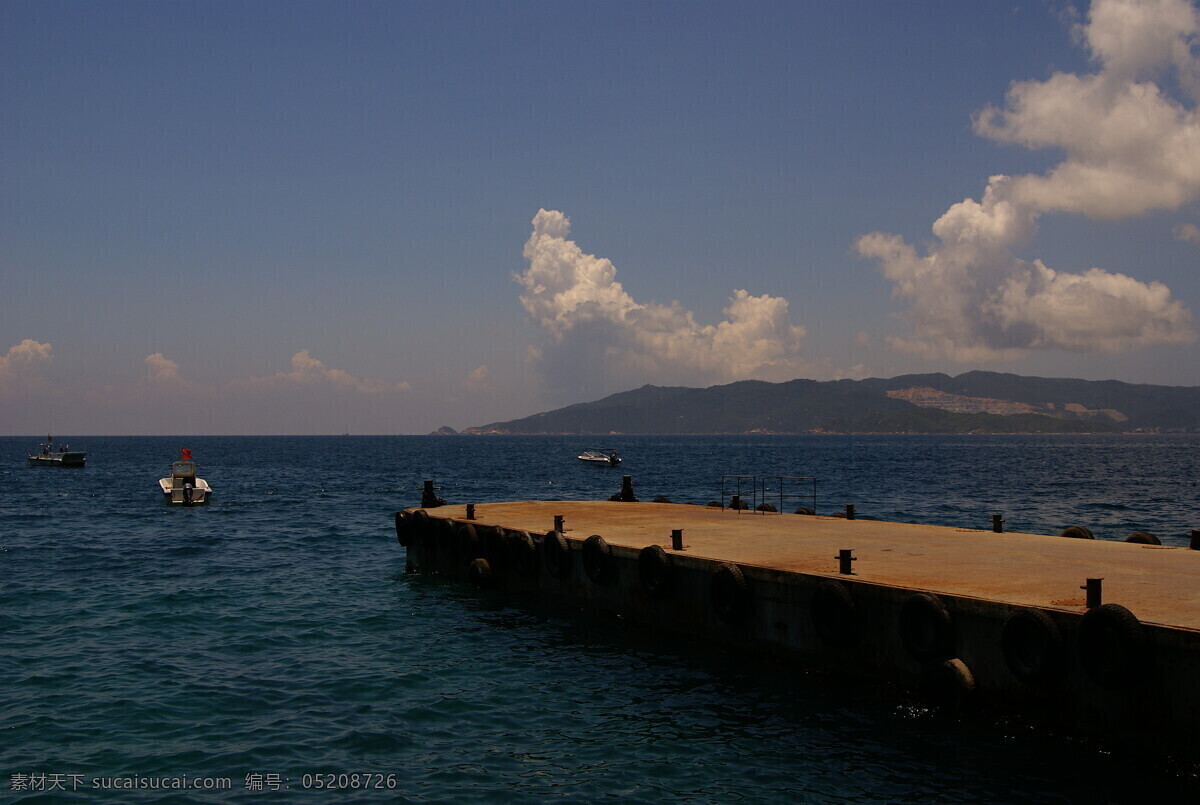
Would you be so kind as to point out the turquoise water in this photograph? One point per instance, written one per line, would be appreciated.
(273, 639)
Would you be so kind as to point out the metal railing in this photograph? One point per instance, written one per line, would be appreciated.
(765, 489)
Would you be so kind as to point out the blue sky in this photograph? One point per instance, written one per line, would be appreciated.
(321, 217)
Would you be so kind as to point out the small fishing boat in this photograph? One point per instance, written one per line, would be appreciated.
(50, 456)
(182, 487)
(600, 456)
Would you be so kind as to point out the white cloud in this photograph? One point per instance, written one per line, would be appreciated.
(1129, 148)
(161, 369)
(477, 379)
(25, 353)
(1188, 233)
(598, 336)
(311, 372)
(20, 358)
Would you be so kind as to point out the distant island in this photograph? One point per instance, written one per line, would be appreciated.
(974, 402)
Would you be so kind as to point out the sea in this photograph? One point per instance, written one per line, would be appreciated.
(270, 647)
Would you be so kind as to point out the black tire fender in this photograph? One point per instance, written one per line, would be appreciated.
(1143, 538)
(926, 629)
(522, 550)
(556, 554)
(480, 573)
(495, 548)
(466, 542)
(949, 684)
(419, 528)
(730, 594)
(655, 571)
(1032, 646)
(1110, 645)
(446, 536)
(1076, 532)
(404, 528)
(834, 614)
(598, 559)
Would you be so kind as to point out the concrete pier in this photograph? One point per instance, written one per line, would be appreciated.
(1099, 638)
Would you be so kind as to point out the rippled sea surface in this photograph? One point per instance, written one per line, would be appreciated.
(273, 639)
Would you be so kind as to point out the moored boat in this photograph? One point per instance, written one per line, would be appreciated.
(48, 455)
(182, 487)
(600, 456)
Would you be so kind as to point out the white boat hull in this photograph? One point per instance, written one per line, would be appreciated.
(71, 458)
(184, 494)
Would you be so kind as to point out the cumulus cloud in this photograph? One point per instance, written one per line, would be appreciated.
(161, 369)
(20, 357)
(311, 372)
(1188, 233)
(25, 353)
(1129, 148)
(477, 379)
(598, 335)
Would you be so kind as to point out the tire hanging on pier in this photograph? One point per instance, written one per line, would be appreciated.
(443, 527)
(466, 542)
(598, 559)
(421, 531)
(404, 528)
(556, 554)
(1110, 645)
(522, 551)
(926, 629)
(1032, 646)
(655, 571)
(835, 614)
(1076, 532)
(730, 594)
(480, 573)
(949, 684)
(495, 548)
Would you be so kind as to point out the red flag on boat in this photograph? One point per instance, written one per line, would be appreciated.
(185, 454)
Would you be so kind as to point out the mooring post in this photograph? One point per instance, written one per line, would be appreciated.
(429, 498)
(845, 557)
(677, 539)
(1093, 592)
(470, 511)
(627, 488)
(558, 523)
(1195, 544)
(849, 511)
(998, 523)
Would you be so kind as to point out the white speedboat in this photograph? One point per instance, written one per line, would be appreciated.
(50, 456)
(183, 488)
(600, 456)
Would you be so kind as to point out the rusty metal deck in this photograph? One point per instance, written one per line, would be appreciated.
(1159, 584)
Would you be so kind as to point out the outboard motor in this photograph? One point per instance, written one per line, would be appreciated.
(187, 494)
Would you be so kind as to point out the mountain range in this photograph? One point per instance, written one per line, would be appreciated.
(974, 402)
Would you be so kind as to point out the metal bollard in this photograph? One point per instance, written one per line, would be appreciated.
(998, 523)
(627, 489)
(1093, 592)
(849, 511)
(470, 511)
(677, 539)
(558, 523)
(1195, 544)
(845, 557)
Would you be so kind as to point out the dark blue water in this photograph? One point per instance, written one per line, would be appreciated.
(274, 639)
